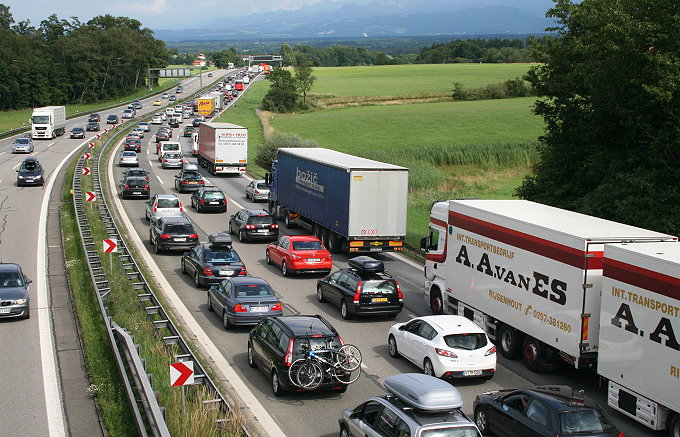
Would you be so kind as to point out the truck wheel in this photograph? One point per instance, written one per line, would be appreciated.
(334, 242)
(272, 208)
(508, 340)
(317, 231)
(325, 236)
(674, 426)
(436, 303)
(532, 353)
(287, 221)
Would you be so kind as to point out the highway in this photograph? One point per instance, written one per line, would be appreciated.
(32, 400)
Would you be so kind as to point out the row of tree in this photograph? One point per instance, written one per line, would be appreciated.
(64, 61)
(338, 56)
(493, 50)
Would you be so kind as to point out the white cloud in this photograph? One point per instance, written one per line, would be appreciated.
(155, 7)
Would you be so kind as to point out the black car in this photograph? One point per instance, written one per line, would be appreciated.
(209, 199)
(174, 121)
(213, 262)
(196, 122)
(93, 126)
(189, 179)
(134, 144)
(172, 98)
(253, 224)
(30, 172)
(362, 289)
(14, 295)
(173, 233)
(188, 130)
(78, 132)
(112, 119)
(243, 301)
(94, 117)
(162, 135)
(136, 171)
(276, 342)
(134, 186)
(548, 410)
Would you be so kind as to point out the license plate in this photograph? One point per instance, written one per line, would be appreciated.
(472, 373)
(259, 309)
(137, 192)
(193, 182)
(214, 203)
(4, 310)
(263, 231)
(313, 260)
(180, 239)
(375, 249)
(379, 299)
(226, 272)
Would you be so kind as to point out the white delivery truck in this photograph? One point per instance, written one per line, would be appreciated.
(223, 148)
(218, 97)
(246, 80)
(48, 122)
(640, 332)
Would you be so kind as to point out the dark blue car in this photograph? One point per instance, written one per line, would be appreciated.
(14, 297)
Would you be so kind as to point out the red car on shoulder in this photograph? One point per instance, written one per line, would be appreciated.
(299, 254)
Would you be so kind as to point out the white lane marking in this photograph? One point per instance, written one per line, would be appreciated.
(159, 179)
(56, 423)
(14, 168)
(406, 260)
(364, 367)
(2, 153)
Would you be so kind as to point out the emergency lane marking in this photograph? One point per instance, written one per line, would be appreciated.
(159, 179)
(406, 260)
(2, 153)
(13, 168)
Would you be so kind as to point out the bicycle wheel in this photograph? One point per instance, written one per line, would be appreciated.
(292, 370)
(309, 375)
(348, 357)
(345, 377)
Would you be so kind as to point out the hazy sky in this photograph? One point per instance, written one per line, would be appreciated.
(152, 13)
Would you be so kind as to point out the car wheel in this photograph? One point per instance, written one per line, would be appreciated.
(182, 266)
(482, 421)
(198, 207)
(427, 367)
(241, 236)
(508, 341)
(392, 347)
(284, 269)
(146, 216)
(343, 429)
(251, 359)
(197, 279)
(276, 384)
(225, 321)
(674, 426)
(210, 307)
(157, 247)
(266, 257)
(532, 353)
(344, 311)
(319, 294)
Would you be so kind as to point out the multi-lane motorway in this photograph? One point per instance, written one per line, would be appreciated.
(32, 396)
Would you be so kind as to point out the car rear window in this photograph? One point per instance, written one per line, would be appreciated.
(253, 290)
(262, 186)
(383, 286)
(192, 175)
(584, 421)
(140, 173)
(168, 203)
(221, 256)
(307, 245)
(170, 147)
(213, 195)
(178, 228)
(316, 343)
(451, 431)
(261, 220)
(466, 342)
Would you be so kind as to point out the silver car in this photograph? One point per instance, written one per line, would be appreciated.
(139, 131)
(257, 190)
(145, 126)
(172, 160)
(163, 205)
(128, 158)
(22, 145)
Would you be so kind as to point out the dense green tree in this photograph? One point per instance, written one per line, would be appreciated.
(282, 95)
(304, 80)
(612, 109)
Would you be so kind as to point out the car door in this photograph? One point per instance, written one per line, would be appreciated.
(282, 250)
(259, 346)
(421, 343)
(507, 417)
(405, 346)
(332, 286)
(220, 298)
(193, 259)
(363, 418)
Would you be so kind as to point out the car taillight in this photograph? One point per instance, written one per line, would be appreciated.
(288, 357)
(491, 351)
(202, 201)
(243, 271)
(164, 236)
(194, 236)
(201, 182)
(181, 208)
(181, 160)
(155, 207)
(445, 353)
(165, 160)
(207, 272)
(399, 293)
(146, 187)
(274, 226)
(250, 226)
(127, 187)
(238, 308)
(329, 258)
(277, 307)
(257, 191)
(357, 292)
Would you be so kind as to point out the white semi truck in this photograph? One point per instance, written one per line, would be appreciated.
(48, 122)
(223, 148)
(532, 276)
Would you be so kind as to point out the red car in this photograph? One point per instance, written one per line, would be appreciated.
(299, 254)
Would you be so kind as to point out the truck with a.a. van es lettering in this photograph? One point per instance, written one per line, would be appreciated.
(351, 204)
(552, 285)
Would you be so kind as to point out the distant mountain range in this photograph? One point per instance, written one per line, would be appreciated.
(381, 18)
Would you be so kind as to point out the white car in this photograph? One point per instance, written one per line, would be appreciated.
(145, 126)
(445, 346)
(139, 131)
(170, 112)
(156, 119)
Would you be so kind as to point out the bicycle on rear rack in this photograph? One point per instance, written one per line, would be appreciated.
(341, 364)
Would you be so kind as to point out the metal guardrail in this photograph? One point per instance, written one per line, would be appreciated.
(151, 415)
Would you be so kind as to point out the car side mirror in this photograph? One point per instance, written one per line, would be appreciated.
(29, 281)
(353, 416)
(213, 288)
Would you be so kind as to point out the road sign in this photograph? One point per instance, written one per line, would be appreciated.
(86, 171)
(99, 137)
(110, 245)
(90, 196)
(86, 156)
(90, 146)
(182, 373)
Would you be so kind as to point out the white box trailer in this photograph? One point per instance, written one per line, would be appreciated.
(223, 148)
(48, 122)
(640, 332)
(529, 274)
(218, 97)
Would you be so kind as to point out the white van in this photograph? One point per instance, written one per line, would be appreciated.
(170, 112)
(168, 146)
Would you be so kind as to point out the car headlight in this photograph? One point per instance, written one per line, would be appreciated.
(21, 177)
(20, 301)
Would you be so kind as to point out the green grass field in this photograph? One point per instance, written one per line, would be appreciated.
(393, 80)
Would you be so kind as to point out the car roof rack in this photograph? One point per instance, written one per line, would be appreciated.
(366, 264)
(424, 392)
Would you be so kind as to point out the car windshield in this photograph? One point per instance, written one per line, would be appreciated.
(178, 228)
(451, 431)
(466, 342)
(77, 129)
(383, 286)
(40, 119)
(10, 279)
(221, 256)
(22, 141)
(584, 421)
(213, 195)
(307, 245)
(261, 220)
(168, 203)
(254, 290)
